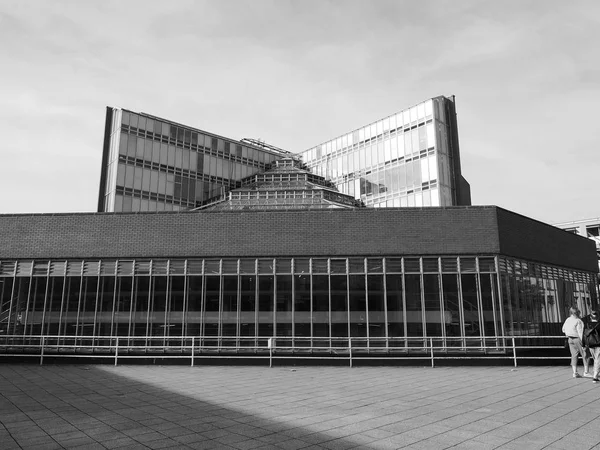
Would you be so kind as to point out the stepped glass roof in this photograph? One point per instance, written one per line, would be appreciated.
(286, 184)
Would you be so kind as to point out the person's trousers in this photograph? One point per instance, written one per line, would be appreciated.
(576, 349)
(595, 351)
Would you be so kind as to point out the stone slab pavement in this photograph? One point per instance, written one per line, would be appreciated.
(249, 407)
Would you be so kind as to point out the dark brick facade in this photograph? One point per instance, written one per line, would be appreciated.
(484, 230)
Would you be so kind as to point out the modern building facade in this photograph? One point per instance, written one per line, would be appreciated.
(153, 164)
(393, 277)
(409, 159)
(222, 245)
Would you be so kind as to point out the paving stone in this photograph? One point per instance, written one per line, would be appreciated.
(247, 407)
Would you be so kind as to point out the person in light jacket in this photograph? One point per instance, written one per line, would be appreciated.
(573, 329)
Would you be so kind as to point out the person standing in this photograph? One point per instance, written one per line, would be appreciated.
(573, 329)
(592, 341)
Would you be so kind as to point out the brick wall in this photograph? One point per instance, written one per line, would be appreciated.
(527, 238)
(397, 231)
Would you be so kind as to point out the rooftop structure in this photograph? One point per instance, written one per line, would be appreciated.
(410, 158)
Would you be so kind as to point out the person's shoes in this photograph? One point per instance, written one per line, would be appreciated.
(576, 375)
(595, 380)
(587, 375)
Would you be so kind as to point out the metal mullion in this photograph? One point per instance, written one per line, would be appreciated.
(461, 305)
(495, 313)
(385, 309)
(256, 324)
(185, 307)
(329, 298)
(79, 297)
(112, 317)
(167, 305)
(441, 300)
(293, 269)
(502, 329)
(98, 277)
(131, 304)
(348, 303)
(367, 324)
(274, 305)
(404, 318)
(238, 299)
(423, 308)
(62, 303)
(28, 300)
(312, 332)
(220, 313)
(77, 327)
(150, 303)
(479, 305)
(45, 298)
(11, 304)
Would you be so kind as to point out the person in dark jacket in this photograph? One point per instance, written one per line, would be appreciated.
(591, 325)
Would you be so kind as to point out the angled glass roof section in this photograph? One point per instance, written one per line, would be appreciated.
(286, 184)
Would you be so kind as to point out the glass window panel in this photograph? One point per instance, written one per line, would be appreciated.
(248, 297)
(393, 265)
(230, 266)
(123, 143)
(283, 265)
(412, 265)
(212, 266)
(284, 305)
(430, 135)
(302, 295)
(319, 265)
(422, 138)
(435, 199)
(414, 135)
(376, 308)
(467, 264)
(430, 265)
(414, 311)
(338, 266)
(450, 295)
(301, 265)
(265, 266)
(211, 295)
(470, 307)
(421, 111)
(374, 265)
(356, 265)
(428, 108)
(487, 264)
(358, 305)
(230, 299)
(248, 266)
(265, 297)
(395, 305)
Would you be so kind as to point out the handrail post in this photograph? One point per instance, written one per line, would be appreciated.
(350, 349)
(270, 345)
(431, 347)
(42, 351)
(116, 350)
(514, 351)
(193, 340)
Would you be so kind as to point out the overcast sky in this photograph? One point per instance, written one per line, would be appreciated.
(526, 76)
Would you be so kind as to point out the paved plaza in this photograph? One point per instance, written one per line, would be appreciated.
(250, 407)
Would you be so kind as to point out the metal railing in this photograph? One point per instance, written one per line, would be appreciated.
(195, 348)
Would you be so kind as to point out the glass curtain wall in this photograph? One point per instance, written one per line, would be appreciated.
(318, 302)
(155, 165)
(402, 160)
